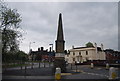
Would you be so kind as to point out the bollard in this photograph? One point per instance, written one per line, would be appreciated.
(112, 73)
(107, 66)
(58, 74)
(92, 65)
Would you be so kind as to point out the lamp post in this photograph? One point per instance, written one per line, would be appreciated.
(30, 45)
(30, 51)
(51, 51)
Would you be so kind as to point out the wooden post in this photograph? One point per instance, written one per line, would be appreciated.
(44, 63)
(32, 65)
(21, 63)
(25, 70)
(32, 62)
(5, 66)
(71, 65)
(76, 67)
(49, 63)
(39, 64)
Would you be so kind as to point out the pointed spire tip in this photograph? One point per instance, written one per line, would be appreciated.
(60, 14)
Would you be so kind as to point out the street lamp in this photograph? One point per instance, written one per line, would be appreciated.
(30, 45)
(29, 53)
(51, 51)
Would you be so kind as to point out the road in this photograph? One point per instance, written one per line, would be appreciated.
(83, 72)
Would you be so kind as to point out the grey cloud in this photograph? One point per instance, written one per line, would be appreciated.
(82, 22)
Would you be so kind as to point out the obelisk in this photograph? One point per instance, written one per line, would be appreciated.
(60, 45)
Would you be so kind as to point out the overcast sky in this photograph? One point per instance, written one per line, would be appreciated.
(82, 22)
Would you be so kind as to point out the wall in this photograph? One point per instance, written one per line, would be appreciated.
(83, 57)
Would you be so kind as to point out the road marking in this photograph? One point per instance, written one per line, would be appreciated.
(96, 74)
(99, 68)
(66, 73)
(90, 73)
(77, 70)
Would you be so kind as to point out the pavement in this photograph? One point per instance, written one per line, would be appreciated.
(84, 72)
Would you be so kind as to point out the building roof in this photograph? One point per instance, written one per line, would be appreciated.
(82, 47)
(89, 48)
(42, 52)
(112, 52)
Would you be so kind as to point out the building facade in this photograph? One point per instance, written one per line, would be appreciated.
(112, 56)
(42, 55)
(84, 54)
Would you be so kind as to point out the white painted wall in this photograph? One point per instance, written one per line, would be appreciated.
(92, 55)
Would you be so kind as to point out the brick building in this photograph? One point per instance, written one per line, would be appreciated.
(112, 56)
(42, 55)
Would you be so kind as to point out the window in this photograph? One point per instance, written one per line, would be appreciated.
(73, 53)
(86, 58)
(73, 59)
(78, 59)
(86, 52)
(67, 55)
(79, 53)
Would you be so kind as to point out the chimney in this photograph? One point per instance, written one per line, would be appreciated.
(96, 47)
(102, 47)
(73, 47)
(42, 48)
(50, 49)
(38, 49)
(30, 51)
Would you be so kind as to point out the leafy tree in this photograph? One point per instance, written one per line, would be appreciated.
(10, 28)
(89, 44)
(21, 56)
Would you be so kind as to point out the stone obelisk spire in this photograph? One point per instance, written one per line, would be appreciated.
(60, 36)
(59, 55)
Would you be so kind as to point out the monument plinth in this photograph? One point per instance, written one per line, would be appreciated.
(59, 55)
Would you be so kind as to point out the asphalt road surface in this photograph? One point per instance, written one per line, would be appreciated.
(84, 72)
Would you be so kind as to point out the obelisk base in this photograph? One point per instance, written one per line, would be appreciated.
(60, 62)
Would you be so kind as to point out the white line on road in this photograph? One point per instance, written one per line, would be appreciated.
(95, 74)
